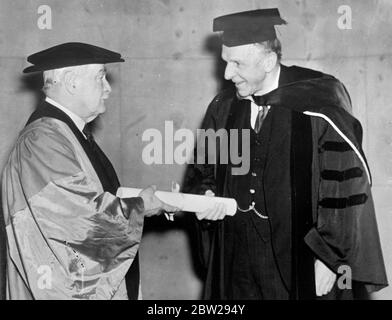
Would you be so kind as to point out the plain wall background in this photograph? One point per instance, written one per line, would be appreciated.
(172, 73)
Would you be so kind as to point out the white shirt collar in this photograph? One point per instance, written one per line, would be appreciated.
(79, 122)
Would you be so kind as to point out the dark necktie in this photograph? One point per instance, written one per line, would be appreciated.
(260, 101)
(103, 165)
(87, 132)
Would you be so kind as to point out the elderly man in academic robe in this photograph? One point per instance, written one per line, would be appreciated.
(305, 213)
(68, 235)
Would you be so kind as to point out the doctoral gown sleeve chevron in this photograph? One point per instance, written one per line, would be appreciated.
(345, 232)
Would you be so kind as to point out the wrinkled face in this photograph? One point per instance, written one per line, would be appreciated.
(92, 89)
(245, 67)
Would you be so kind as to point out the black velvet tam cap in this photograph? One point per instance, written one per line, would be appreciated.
(70, 54)
(248, 27)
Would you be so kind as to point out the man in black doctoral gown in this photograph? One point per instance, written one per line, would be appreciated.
(305, 225)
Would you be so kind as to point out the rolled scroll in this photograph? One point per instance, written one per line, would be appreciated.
(184, 201)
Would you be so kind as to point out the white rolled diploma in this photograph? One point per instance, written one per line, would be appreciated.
(184, 201)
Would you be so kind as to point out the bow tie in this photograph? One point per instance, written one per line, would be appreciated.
(260, 100)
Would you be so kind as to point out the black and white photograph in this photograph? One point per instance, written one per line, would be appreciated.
(211, 153)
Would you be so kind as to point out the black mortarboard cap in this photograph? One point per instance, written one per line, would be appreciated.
(70, 54)
(248, 26)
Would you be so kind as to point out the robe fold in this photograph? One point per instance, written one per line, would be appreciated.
(67, 237)
(315, 187)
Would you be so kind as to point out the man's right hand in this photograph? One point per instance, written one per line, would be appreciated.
(218, 212)
(152, 205)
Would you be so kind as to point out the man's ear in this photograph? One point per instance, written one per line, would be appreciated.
(270, 61)
(69, 79)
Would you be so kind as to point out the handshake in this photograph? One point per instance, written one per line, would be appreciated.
(153, 205)
(206, 207)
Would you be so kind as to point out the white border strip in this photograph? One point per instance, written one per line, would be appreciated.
(320, 115)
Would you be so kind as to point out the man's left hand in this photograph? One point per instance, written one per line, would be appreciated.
(325, 278)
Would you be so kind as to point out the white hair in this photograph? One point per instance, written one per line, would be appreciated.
(272, 46)
(55, 76)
